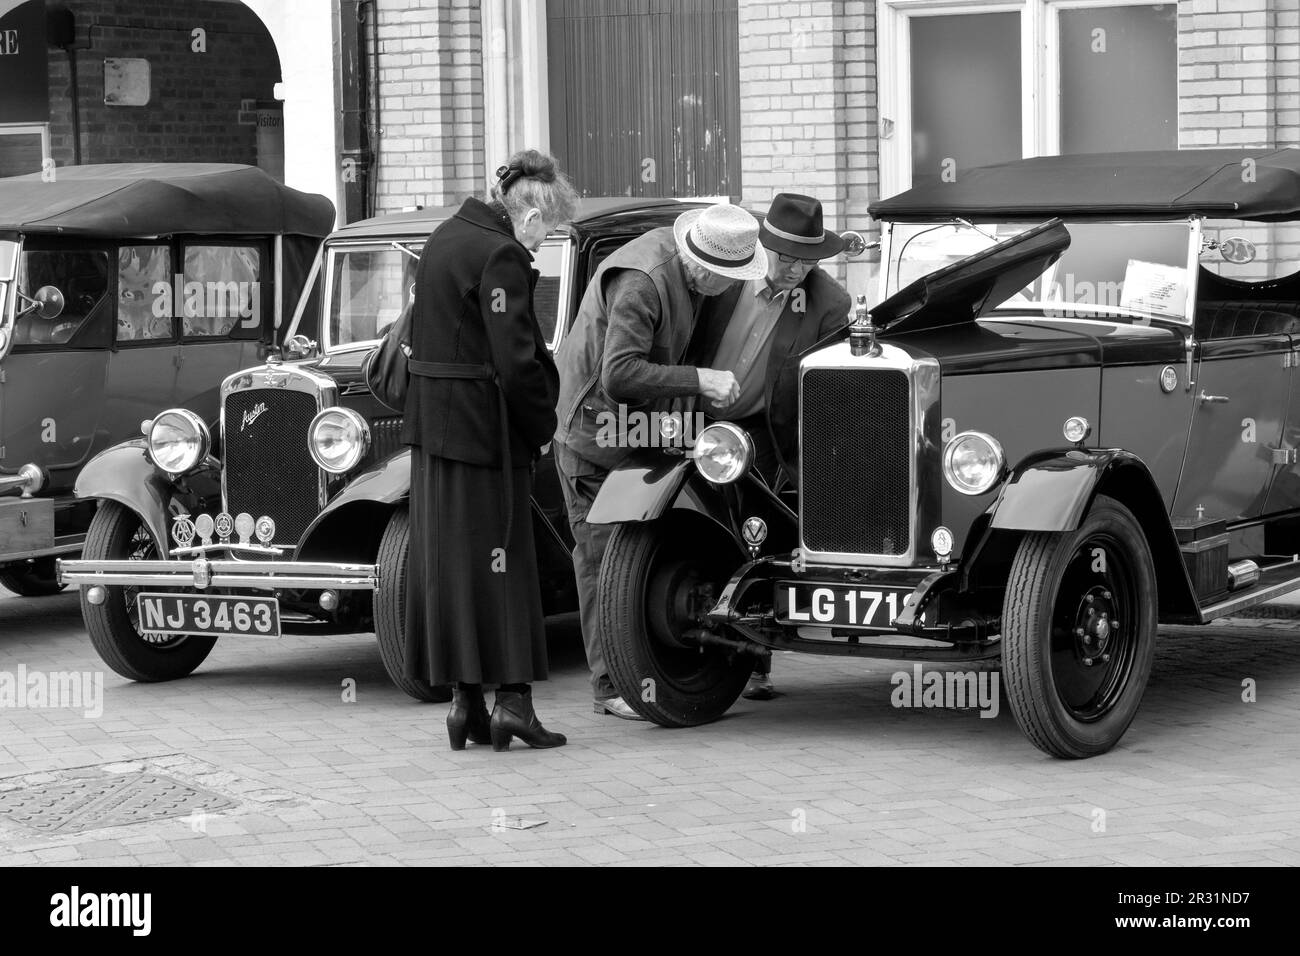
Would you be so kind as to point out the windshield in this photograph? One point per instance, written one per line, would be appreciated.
(370, 283)
(1112, 269)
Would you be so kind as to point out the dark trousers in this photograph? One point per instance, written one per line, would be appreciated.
(581, 481)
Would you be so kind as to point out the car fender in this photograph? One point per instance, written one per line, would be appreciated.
(125, 474)
(1052, 491)
(651, 484)
(641, 489)
(386, 482)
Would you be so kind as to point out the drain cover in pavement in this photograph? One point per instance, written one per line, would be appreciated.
(93, 800)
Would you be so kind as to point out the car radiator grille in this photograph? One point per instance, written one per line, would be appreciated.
(855, 452)
(268, 469)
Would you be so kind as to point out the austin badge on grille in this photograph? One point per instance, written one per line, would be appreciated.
(182, 530)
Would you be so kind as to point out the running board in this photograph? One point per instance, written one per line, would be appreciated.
(1273, 583)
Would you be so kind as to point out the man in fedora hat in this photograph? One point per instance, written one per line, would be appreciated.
(759, 329)
(627, 347)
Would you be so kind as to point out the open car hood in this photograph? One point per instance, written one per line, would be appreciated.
(971, 287)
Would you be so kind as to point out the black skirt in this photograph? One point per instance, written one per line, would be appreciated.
(473, 603)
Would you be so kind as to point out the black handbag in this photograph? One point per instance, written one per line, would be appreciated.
(386, 369)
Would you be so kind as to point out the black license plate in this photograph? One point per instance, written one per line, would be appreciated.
(209, 615)
(827, 605)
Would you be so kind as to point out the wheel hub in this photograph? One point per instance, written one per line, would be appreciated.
(1095, 626)
(678, 599)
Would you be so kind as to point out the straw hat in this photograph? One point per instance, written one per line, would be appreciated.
(722, 239)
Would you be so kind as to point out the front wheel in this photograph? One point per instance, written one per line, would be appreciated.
(1079, 630)
(117, 533)
(390, 610)
(34, 579)
(657, 581)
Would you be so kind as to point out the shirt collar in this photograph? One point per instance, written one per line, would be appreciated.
(769, 294)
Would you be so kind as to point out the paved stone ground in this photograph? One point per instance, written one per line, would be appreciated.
(829, 773)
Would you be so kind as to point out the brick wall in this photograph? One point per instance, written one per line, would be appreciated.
(1238, 73)
(192, 115)
(808, 110)
(431, 103)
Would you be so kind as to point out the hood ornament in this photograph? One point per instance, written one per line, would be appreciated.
(862, 333)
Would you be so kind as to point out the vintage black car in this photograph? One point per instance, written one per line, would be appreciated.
(1074, 414)
(124, 289)
(287, 510)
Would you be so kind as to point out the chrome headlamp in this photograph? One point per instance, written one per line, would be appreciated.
(338, 439)
(723, 453)
(973, 462)
(178, 440)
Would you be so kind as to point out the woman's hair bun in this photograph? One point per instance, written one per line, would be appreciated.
(536, 165)
(532, 180)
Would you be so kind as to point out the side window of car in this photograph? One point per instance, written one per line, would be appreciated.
(80, 279)
(369, 285)
(144, 293)
(222, 296)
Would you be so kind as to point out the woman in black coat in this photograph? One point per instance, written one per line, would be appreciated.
(481, 405)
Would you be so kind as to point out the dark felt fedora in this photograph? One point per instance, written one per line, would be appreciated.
(793, 226)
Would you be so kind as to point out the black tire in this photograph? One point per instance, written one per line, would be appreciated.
(1056, 617)
(648, 570)
(390, 610)
(117, 533)
(32, 580)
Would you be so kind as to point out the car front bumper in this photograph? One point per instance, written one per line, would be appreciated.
(744, 608)
(203, 573)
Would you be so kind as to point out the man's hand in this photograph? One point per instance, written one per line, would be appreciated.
(720, 388)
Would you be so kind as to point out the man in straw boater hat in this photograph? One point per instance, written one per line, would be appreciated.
(759, 329)
(627, 348)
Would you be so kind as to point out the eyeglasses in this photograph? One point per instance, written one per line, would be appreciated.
(789, 259)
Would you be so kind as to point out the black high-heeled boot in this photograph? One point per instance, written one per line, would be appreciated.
(468, 717)
(513, 716)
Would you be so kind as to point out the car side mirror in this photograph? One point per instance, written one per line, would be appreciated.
(856, 245)
(300, 347)
(48, 303)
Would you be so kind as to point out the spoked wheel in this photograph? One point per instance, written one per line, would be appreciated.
(116, 533)
(36, 579)
(390, 610)
(657, 582)
(1078, 634)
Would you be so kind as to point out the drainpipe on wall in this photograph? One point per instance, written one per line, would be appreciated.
(61, 32)
(353, 77)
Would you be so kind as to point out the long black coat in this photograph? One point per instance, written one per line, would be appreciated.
(474, 610)
(474, 305)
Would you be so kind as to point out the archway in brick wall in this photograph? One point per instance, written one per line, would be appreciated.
(192, 81)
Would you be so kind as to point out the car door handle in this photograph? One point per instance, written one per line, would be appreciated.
(1213, 399)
